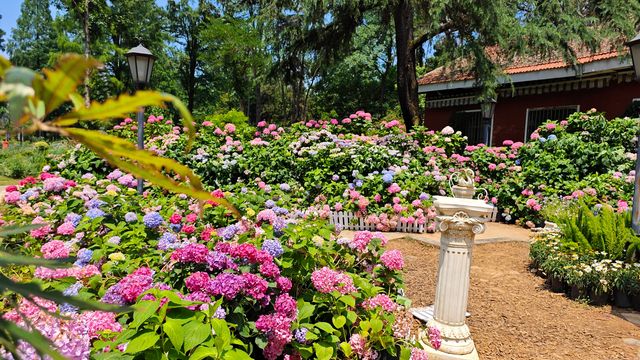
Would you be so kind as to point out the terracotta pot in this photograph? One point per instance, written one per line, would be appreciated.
(597, 298)
(557, 285)
(635, 301)
(621, 299)
(577, 292)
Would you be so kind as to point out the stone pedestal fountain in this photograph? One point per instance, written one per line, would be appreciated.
(459, 219)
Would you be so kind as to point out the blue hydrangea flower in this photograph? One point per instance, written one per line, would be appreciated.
(387, 178)
(335, 178)
(94, 203)
(285, 187)
(300, 335)
(130, 217)
(542, 139)
(269, 204)
(70, 291)
(273, 247)
(423, 196)
(95, 213)
(176, 227)
(167, 241)
(220, 313)
(244, 190)
(552, 137)
(358, 183)
(73, 289)
(517, 161)
(83, 257)
(73, 218)
(152, 220)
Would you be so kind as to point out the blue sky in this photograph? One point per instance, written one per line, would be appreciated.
(10, 11)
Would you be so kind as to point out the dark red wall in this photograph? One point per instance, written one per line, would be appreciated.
(510, 114)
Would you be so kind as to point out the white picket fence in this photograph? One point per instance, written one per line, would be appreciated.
(348, 220)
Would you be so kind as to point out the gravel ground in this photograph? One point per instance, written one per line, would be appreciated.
(513, 315)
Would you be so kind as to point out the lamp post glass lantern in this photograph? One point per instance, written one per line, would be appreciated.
(487, 108)
(140, 64)
(634, 49)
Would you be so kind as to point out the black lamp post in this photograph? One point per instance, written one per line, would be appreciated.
(634, 49)
(140, 63)
(488, 108)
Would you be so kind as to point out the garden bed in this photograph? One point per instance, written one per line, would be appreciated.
(513, 316)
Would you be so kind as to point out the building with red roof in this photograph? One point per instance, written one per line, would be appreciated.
(535, 90)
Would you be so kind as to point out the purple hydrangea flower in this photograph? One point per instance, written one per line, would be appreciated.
(423, 196)
(358, 183)
(95, 213)
(130, 217)
(279, 224)
(280, 211)
(229, 232)
(335, 178)
(273, 247)
(220, 313)
(115, 240)
(300, 335)
(152, 220)
(387, 178)
(219, 261)
(269, 204)
(175, 227)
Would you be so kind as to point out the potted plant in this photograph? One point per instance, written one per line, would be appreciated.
(622, 282)
(634, 287)
(576, 280)
(599, 291)
(554, 266)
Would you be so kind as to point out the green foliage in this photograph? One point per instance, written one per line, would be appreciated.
(606, 231)
(33, 40)
(28, 159)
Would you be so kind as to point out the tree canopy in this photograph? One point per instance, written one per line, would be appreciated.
(292, 59)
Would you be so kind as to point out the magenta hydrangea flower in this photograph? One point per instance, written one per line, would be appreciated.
(277, 328)
(283, 283)
(197, 281)
(380, 300)
(227, 285)
(326, 280)
(196, 253)
(392, 260)
(418, 354)
(55, 249)
(66, 228)
(42, 231)
(12, 197)
(270, 270)
(435, 337)
(287, 306)
(255, 286)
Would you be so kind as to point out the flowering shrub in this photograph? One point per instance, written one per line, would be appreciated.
(278, 283)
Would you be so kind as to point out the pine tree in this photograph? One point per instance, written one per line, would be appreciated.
(33, 42)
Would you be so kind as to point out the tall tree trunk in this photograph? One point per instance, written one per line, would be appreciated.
(385, 74)
(406, 79)
(87, 98)
(191, 77)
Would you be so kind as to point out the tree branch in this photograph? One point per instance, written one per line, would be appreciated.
(429, 35)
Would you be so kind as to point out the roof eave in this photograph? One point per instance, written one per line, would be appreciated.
(542, 75)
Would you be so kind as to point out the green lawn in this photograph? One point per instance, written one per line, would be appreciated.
(7, 181)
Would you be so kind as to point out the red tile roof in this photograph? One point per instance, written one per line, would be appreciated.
(516, 66)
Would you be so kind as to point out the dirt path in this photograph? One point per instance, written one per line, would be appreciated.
(513, 316)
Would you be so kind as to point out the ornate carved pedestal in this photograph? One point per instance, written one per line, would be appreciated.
(452, 292)
(456, 245)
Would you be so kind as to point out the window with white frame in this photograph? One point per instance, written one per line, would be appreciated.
(538, 116)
